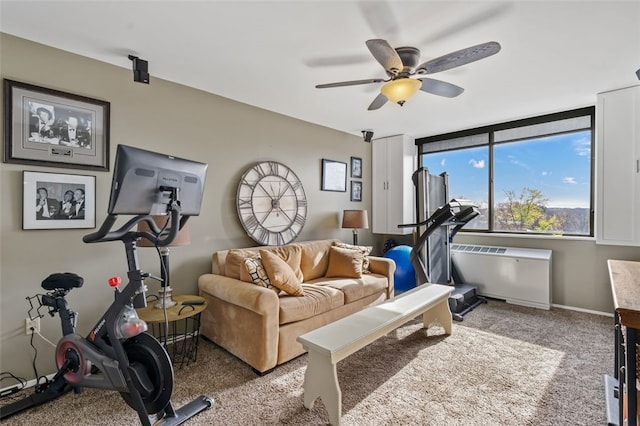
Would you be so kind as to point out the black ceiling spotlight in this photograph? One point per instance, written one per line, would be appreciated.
(140, 70)
(367, 135)
(638, 73)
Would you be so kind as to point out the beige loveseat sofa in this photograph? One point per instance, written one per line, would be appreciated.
(260, 325)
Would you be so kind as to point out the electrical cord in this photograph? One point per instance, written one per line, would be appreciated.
(33, 362)
(13, 389)
(45, 339)
(23, 382)
(164, 300)
(164, 271)
(35, 355)
(41, 381)
(7, 375)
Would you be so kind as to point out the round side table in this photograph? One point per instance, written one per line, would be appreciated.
(179, 332)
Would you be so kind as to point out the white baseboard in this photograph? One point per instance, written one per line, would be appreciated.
(588, 311)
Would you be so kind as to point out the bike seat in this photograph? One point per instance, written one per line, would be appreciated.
(62, 280)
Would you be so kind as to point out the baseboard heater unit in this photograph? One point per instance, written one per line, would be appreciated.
(517, 275)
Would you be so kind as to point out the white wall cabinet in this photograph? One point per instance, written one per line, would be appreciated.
(618, 167)
(394, 161)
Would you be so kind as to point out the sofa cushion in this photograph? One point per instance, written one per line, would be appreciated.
(280, 273)
(234, 259)
(316, 300)
(315, 258)
(355, 288)
(252, 271)
(363, 249)
(344, 263)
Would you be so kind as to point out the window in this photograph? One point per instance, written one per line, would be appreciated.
(526, 176)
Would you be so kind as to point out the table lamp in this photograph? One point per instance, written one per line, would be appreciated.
(182, 239)
(356, 219)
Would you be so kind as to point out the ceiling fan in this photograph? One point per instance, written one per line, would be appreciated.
(401, 64)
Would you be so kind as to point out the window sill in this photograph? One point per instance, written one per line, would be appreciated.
(527, 236)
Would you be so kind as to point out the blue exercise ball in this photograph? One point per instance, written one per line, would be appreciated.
(405, 275)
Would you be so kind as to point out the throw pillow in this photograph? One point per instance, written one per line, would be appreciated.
(290, 253)
(280, 274)
(345, 263)
(245, 275)
(363, 249)
(252, 271)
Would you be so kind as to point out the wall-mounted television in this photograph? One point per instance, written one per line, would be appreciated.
(143, 182)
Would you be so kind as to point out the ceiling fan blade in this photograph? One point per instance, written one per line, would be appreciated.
(386, 55)
(378, 102)
(380, 18)
(349, 83)
(333, 61)
(440, 88)
(476, 18)
(459, 58)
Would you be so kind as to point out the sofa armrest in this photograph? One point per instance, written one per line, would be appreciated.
(386, 267)
(258, 299)
(242, 318)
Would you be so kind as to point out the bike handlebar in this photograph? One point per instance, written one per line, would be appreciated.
(125, 231)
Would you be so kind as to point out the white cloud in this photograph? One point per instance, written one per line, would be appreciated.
(478, 164)
(545, 173)
(514, 160)
(570, 180)
(443, 162)
(582, 147)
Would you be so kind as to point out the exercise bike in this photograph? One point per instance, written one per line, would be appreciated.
(117, 354)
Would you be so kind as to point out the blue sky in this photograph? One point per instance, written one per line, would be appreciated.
(559, 166)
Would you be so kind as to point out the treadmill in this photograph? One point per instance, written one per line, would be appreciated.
(439, 221)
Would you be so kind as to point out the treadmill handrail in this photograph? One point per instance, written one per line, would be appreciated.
(441, 214)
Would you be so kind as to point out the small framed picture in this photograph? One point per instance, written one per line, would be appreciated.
(47, 127)
(356, 167)
(58, 201)
(334, 176)
(356, 190)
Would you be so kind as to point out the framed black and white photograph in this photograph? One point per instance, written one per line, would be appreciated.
(58, 201)
(356, 190)
(356, 167)
(334, 176)
(47, 127)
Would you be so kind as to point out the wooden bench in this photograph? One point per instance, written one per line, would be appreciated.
(329, 344)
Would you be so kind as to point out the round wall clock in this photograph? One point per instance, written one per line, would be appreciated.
(271, 203)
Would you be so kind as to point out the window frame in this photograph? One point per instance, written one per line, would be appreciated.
(490, 131)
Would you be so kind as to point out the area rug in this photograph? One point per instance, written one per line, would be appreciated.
(502, 365)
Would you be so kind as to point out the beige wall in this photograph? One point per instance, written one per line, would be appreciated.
(168, 118)
(229, 136)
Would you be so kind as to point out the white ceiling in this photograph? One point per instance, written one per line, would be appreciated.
(555, 55)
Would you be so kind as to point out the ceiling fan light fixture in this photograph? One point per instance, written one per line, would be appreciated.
(400, 90)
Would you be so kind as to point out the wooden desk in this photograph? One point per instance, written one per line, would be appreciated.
(180, 333)
(625, 286)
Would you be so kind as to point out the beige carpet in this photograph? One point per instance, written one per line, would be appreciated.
(503, 365)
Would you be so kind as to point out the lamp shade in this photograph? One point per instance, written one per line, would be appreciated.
(400, 90)
(182, 239)
(356, 219)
